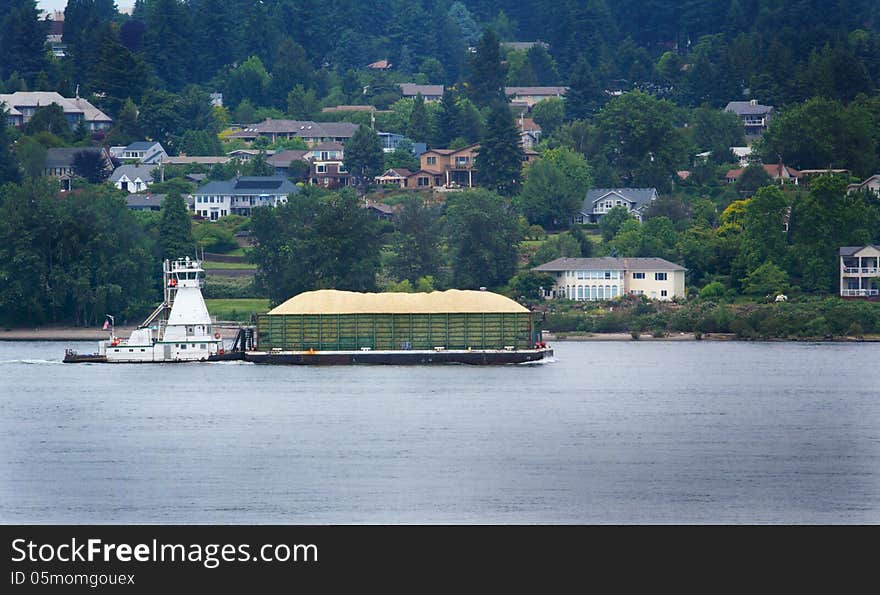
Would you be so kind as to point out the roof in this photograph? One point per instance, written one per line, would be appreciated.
(328, 146)
(523, 45)
(529, 125)
(63, 156)
(285, 158)
(144, 200)
(639, 196)
(144, 172)
(203, 159)
(248, 185)
(348, 108)
(332, 301)
(772, 171)
(141, 145)
(302, 128)
(608, 263)
(396, 172)
(850, 250)
(43, 98)
(748, 108)
(380, 64)
(413, 89)
(549, 91)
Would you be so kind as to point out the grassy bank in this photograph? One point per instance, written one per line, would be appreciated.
(238, 309)
(804, 318)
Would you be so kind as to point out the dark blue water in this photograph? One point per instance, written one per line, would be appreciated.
(628, 432)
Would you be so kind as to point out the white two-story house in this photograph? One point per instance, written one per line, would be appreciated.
(240, 196)
(594, 279)
(859, 269)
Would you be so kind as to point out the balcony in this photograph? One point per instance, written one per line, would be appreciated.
(860, 292)
(860, 270)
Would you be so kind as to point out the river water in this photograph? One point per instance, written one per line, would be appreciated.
(609, 432)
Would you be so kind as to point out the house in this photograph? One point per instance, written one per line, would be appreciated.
(59, 162)
(55, 34)
(755, 117)
(196, 160)
(144, 152)
(22, 105)
(778, 173)
(529, 96)
(428, 92)
(145, 202)
(311, 132)
(743, 155)
(391, 140)
(872, 184)
(523, 46)
(394, 177)
(451, 168)
(282, 161)
(601, 200)
(859, 266)
(240, 196)
(329, 173)
(326, 151)
(245, 155)
(347, 108)
(380, 211)
(529, 132)
(591, 279)
(132, 178)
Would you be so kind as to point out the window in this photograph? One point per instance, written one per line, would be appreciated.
(606, 274)
(424, 181)
(212, 199)
(341, 169)
(659, 276)
(321, 169)
(325, 155)
(203, 346)
(580, 274)
(183, 345)
(431, 160)
(663, 293)
(601, 292)
(142, 350)
(638, 275)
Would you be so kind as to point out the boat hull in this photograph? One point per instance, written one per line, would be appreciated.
(398, 358)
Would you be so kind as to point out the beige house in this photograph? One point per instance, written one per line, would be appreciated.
(529, 96)
(872, 184)
(451, 167)
(592, 279)
(859, 266)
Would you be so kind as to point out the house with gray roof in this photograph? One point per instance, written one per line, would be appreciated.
(859, 271)
(311, 132)
(144, 152)
(428, 92)
(59, 162)
(607, 278)
(601, 200)
(132, 178)
(240, 196)
(755, 117)
(145, 202)
(22, 105)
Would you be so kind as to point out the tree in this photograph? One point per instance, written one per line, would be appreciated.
(487, 73)
(763, 237)
(302, 103)
(22, 40)
(543, 66)
(363, 155)
(402, 156)
(717, 131)
(563, 245)
(482, 235)
(611, 222)
(549, 114)
(753, 177)
(32, 156)
(248, 81)
(200, 142)
(446, 127)
(317, 240)
(416, 242)
(418, 128)
(531, 284)
(554, 188)
(499, 158)
(126, 128)
(175, 228)
(291, 68)
(767, 279)
(49, 118)
(8, 160)
(167, 41)
(91, 165)
(584, 94)
(118, 74)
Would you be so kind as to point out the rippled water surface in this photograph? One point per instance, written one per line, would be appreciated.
(611, 432)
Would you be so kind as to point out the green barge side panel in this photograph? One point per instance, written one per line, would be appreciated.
(342, 332)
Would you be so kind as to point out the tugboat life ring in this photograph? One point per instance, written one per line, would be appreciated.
(216, 335)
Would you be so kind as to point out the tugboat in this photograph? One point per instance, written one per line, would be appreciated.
(178, 330)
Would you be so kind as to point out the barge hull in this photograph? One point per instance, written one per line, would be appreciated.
(397, 358)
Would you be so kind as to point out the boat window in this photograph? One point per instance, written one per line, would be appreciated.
(142, 350)
(203, 346)
(183, 345)
(131, 350)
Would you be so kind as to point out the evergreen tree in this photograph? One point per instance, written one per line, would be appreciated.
(91, 165)
(415, 244)
(487, 73)
(363, 155)
(22, 39)
(167, 44)
(584, 94)
(118, 75)
(543, 65)
(418, 128)
(446, 126)
(125, 129)
(500, 157)
(50, 119)
(8, 161)
(175, 228)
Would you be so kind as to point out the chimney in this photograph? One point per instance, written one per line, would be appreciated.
(753, 102)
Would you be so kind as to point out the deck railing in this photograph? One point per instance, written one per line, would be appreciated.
(859, 292)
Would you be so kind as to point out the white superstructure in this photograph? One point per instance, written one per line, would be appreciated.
(179, 330)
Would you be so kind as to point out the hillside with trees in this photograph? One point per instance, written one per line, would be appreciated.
(647, 83)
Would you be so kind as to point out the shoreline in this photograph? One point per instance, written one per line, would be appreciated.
(228, 330)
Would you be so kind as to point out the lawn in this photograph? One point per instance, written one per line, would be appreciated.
(238, 309)
(208, 265)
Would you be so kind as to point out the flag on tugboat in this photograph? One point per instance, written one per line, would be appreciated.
(106, 325)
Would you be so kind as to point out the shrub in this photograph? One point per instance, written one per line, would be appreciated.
(712, 291)
(635, 335)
